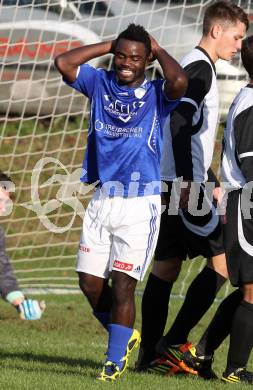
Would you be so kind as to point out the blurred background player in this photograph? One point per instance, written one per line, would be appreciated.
(28, 309)
(235, 314)
(121, 223)
(187, 156)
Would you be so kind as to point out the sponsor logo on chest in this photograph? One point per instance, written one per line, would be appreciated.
(124, 111)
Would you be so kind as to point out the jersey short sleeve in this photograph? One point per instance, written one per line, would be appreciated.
(165, 104)
(199, 80)
(243, 126)
(86, 79)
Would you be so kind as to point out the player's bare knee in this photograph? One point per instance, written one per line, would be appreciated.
(167, 270)
(123, 286)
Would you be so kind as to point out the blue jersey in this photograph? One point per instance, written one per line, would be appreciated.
(125, 132)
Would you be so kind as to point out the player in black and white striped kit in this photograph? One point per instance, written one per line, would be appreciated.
(188, 151)
(237, 174)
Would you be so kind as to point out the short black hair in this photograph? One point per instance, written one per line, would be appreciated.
(137, 33)
(223, 11)
(247, 55)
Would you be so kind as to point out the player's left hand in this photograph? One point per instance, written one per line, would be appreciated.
(217, 194)
(185, 191)
(154, 48)
(31, 309)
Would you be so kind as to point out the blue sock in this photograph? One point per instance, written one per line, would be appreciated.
(119, 336)
(103, 318)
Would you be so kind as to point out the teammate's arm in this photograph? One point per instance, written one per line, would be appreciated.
(175, 76)
(68, 63)
(217, 191)
(213, 178)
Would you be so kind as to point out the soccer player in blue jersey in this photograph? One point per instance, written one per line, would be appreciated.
(121, 223)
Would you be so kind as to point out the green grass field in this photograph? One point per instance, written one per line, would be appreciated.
(66, 348)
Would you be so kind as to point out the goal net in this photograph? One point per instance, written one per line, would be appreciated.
(43, 123)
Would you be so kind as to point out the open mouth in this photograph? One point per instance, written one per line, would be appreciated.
(125, 72)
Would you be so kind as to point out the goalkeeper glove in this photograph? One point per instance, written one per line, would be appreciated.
(31, 309)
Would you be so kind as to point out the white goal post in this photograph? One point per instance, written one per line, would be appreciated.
(43, 123)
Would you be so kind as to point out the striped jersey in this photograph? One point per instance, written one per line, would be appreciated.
(125, 132)
(237, 154)
(190, 133)
(189, 137)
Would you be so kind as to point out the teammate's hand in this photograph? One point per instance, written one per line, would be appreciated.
(220, 195)
(185, 195)
(217, 194)
(31, 309)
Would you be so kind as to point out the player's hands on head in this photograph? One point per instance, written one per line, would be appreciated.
(154, 47)
(31, 309)
(113, 44)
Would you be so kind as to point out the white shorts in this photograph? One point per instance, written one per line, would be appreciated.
(119, 234)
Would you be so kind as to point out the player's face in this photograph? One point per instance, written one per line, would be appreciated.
(230, 40)
(130, 61)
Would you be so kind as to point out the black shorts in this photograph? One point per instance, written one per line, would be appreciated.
(238, 238)
(176, 240)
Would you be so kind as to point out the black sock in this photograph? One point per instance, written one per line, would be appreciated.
(199, 297)
(241, 337)
(154, 312)
(220, 325)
